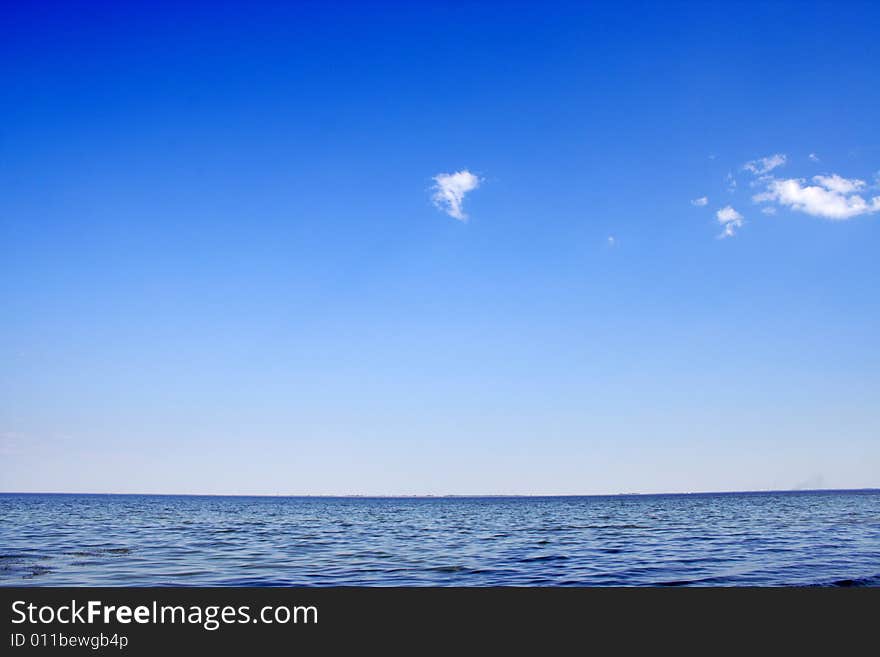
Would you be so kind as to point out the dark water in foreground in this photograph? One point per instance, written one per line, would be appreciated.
(797, 538)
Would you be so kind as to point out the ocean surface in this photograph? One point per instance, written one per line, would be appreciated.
(728, 539)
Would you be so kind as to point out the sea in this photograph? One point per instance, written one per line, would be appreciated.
(798, 538)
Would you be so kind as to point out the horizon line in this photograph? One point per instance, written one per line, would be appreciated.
(459, 495)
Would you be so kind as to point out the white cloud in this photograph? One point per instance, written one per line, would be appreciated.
(813, 157)
(839, 184)
(700, 202)
(730, 219)
(768, 209)
(728, 214)
(765, 164)
(612, 241)
(731, 182)
(449, 190)
(832, 197)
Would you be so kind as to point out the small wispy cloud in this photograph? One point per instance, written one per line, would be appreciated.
(765, 164)
(813, 157)
(700, 202)
(830, 197)
(450, 189)
(730, 221)
(731, 182)
(612, 241)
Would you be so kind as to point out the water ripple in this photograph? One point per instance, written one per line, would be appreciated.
(824, 538)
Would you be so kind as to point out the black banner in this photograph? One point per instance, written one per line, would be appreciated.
(136, 621)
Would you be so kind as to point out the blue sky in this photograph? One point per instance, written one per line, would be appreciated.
(223, 268)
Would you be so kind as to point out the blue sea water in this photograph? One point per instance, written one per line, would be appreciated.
(727, 539)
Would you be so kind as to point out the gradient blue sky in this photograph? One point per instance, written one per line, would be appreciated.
(221, 270)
